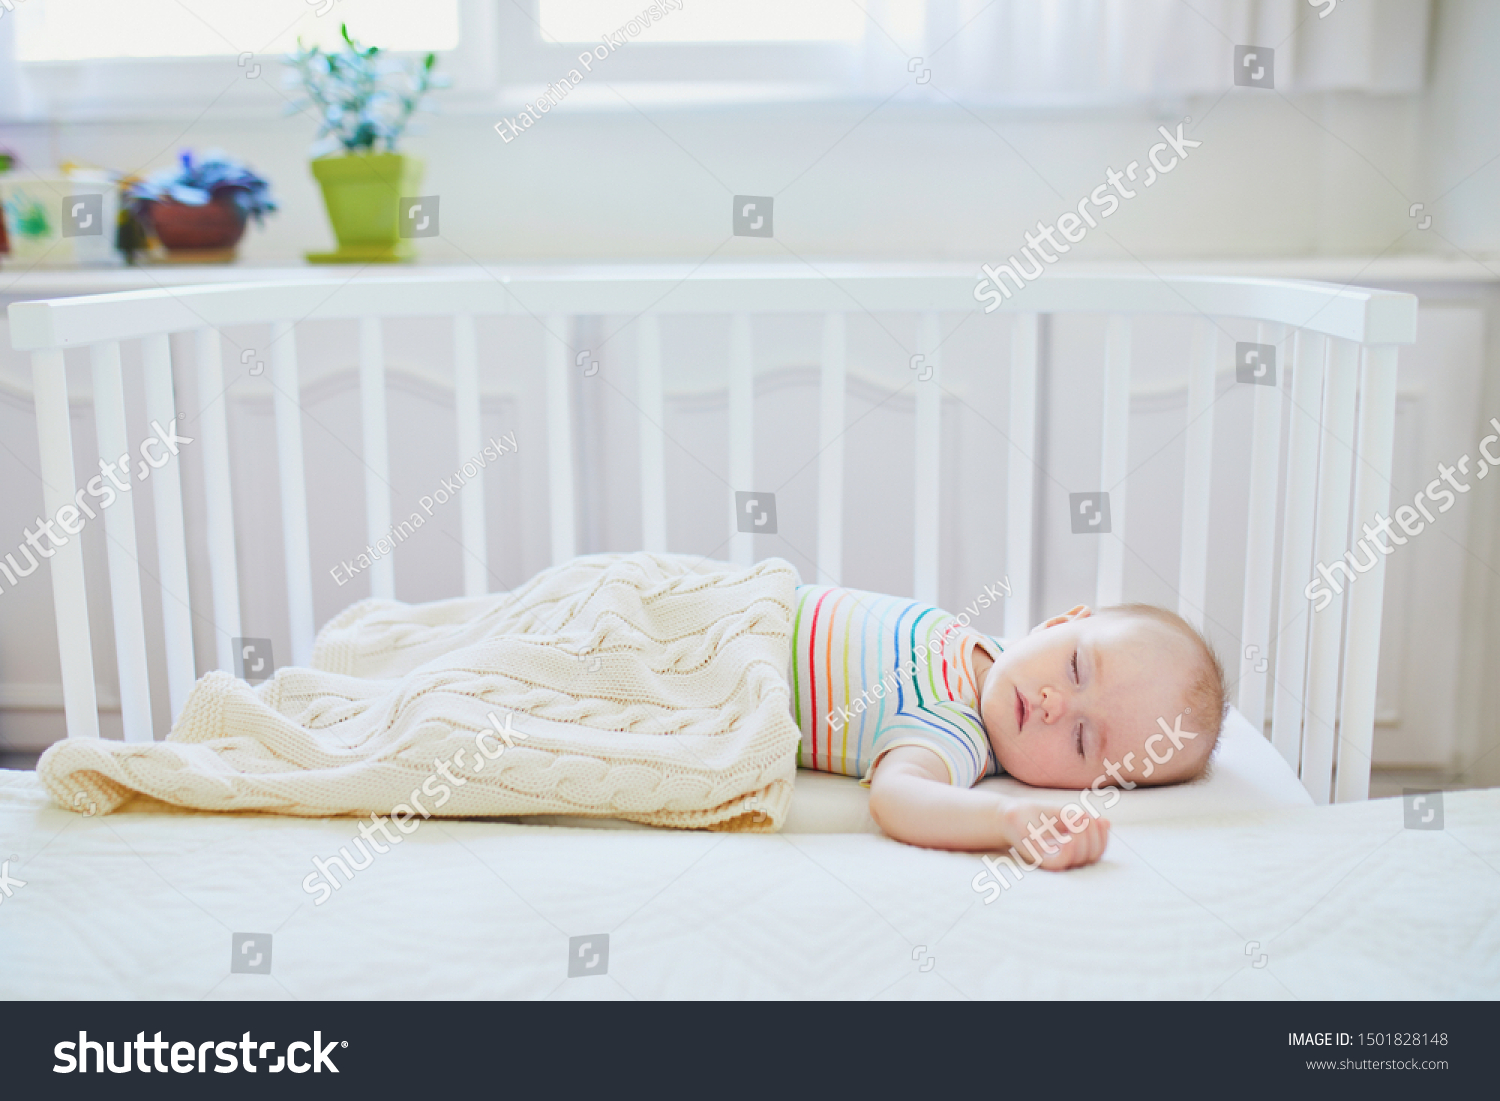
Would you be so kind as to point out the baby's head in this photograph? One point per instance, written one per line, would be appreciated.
(1080, 698)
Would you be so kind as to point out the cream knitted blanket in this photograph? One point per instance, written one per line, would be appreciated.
(649, 687)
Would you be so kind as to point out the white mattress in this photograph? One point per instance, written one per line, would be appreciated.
(1331, 902)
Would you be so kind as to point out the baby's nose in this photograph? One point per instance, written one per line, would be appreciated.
(1054, 705)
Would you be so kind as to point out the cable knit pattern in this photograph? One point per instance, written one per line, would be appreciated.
(649, 687)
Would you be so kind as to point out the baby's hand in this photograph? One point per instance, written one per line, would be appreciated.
(1076, 849)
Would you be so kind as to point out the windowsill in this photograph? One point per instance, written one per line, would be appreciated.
(61, 282)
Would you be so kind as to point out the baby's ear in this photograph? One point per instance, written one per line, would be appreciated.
(1078, 611)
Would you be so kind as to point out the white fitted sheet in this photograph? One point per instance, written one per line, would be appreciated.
(1333, 902)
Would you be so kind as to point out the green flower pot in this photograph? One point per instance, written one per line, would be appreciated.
(363, 193)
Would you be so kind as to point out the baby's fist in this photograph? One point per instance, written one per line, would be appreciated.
(1038, 835)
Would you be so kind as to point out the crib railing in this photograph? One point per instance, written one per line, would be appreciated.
(1321, 690)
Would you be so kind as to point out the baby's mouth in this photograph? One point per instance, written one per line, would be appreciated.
(1021, 711)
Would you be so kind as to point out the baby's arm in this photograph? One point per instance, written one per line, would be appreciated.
(912, 800)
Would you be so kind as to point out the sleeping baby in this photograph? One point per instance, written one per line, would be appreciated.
(619, 650)
(920, 707)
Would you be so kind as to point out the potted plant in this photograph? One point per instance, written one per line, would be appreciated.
(364, 102)
(198, 209)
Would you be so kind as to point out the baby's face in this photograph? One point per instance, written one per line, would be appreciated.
(1078, 695)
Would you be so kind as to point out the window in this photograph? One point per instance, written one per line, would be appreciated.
(170, 59)
(103, 59)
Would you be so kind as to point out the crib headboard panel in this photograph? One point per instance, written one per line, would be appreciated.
(1331, 415)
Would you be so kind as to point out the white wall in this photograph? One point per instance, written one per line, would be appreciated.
(1462, 139)
(1274, 177)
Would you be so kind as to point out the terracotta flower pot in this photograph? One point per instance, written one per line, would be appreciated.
(216, 226)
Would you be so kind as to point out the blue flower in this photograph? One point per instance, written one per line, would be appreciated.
(199, 183)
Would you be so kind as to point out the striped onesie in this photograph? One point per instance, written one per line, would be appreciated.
(872, 672)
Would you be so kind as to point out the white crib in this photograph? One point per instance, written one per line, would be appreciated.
(1319, 694)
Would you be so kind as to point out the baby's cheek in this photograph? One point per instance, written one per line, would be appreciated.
(1030, 767)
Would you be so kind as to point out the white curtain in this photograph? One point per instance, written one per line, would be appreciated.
(1062, 52)
(14, 98)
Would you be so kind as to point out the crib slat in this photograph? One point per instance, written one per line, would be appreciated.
(559, 330)
(376, 454)
(49, 385)
(223, 566)
(741, 432)
(119, 531)
(171, 536)
(1260, 541)
(831, 451)
(1114, 455)
(1372, 495)
(926, 467)
(652, 444)
(470, 440)
(1020, 473)
(296, 544)
(1329, 543)
(1308, 356)
(1197, 481)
